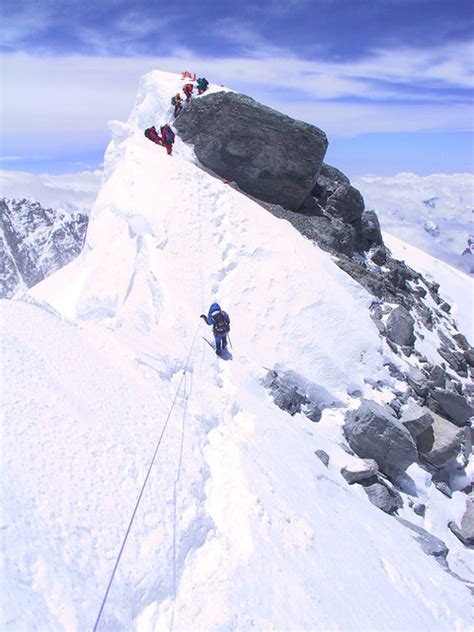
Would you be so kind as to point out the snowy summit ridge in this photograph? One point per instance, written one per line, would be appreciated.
(241, 524)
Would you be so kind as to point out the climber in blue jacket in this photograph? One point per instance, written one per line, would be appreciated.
(220, 322)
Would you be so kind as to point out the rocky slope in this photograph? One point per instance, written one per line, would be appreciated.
(35, 242)
(428, 419)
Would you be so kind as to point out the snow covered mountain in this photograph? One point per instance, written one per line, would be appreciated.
(43, 223)
(149, 484)
(433, 213)
(35, 242)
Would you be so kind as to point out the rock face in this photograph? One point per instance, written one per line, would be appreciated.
(35, 242)
(289, 397)
(361, 471)
(400, 327)
(416, 419)
(373, 433)
(269, 155)
(384, 498)
(442, 441)
(453, 405)
(465, 532)
(430, 544)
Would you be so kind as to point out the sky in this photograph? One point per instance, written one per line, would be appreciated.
(389, 81)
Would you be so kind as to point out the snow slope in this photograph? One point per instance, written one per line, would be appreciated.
(240, 525)
(433, 213)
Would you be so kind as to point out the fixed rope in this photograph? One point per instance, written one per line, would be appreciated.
(104, 600)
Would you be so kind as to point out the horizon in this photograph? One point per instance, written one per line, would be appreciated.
(390, 83)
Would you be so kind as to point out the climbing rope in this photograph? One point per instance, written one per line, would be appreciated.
(104, 600)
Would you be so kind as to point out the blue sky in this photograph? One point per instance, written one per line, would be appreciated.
(389, 81)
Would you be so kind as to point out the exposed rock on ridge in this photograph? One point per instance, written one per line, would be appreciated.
(269, 155)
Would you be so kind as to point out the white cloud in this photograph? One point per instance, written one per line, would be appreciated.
(56, 102)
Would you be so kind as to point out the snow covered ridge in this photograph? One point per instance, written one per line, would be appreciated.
(433, 213)
(262, 510)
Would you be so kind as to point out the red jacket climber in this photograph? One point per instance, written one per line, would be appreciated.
(188, 89)
(167, 138)
(152, 135)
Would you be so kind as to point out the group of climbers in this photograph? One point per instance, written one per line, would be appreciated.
(165, 138)
(218, 318)
(166, 135)
(201, 83)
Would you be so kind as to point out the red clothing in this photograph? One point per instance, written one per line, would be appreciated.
(152, 135)
(168, 145)
(187, 89)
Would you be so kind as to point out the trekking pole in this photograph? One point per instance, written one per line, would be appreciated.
(230, 341)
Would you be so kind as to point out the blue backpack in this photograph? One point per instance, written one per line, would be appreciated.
(169, 136)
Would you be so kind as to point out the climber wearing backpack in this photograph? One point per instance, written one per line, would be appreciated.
(178, 104)
(167, 138)
(152, 135)
(202, 84)
(220, 322)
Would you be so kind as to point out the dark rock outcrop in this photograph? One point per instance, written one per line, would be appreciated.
(430, 544)
(442, 441)
(346, 203)
(400, 327)
(293, 395)
(35, 242)
(268, 155)
(416, 419)
(452, 405)
(374, 433)
(361, 471)
(323, 457)
(383, 497)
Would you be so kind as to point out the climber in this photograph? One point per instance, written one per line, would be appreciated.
(220, 322)
(188, 89)
(202, 84)
(178, 104)
(167, 138)
(152, 135)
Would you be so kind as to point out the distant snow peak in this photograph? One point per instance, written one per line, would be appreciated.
(418, 208)
(36, 241)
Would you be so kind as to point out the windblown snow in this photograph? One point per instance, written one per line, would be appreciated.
(240, 526)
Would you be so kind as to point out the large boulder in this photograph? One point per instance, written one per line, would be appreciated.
(328, 180)
(369, 234)
(346, 203)
(374, 433)
(442, 441)
(269, 155)
(453, 405)
(359, 470)
(400, 326)
(465, 532)
(416, 419)
(383, 497)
